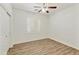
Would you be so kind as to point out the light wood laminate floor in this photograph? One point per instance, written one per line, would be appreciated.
(42, 47)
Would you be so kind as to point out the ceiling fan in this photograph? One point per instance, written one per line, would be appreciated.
(44, 8)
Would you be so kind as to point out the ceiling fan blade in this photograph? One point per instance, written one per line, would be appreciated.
(44, 4)
(39, 10)
(52, 7)
(37, 7)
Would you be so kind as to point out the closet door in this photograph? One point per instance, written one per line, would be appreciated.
(4, 31)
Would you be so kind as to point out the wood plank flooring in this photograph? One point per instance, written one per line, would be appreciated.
(42, 47)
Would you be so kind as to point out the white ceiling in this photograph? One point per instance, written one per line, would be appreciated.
(30, 6)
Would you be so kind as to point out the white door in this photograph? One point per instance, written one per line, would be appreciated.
(4, 31)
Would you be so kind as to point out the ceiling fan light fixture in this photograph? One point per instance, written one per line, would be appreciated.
(43, 10)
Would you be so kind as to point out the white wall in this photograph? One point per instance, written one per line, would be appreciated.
(77, 24)
(29, 26)
(4, 31)
(63, 26)
(5, 27)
